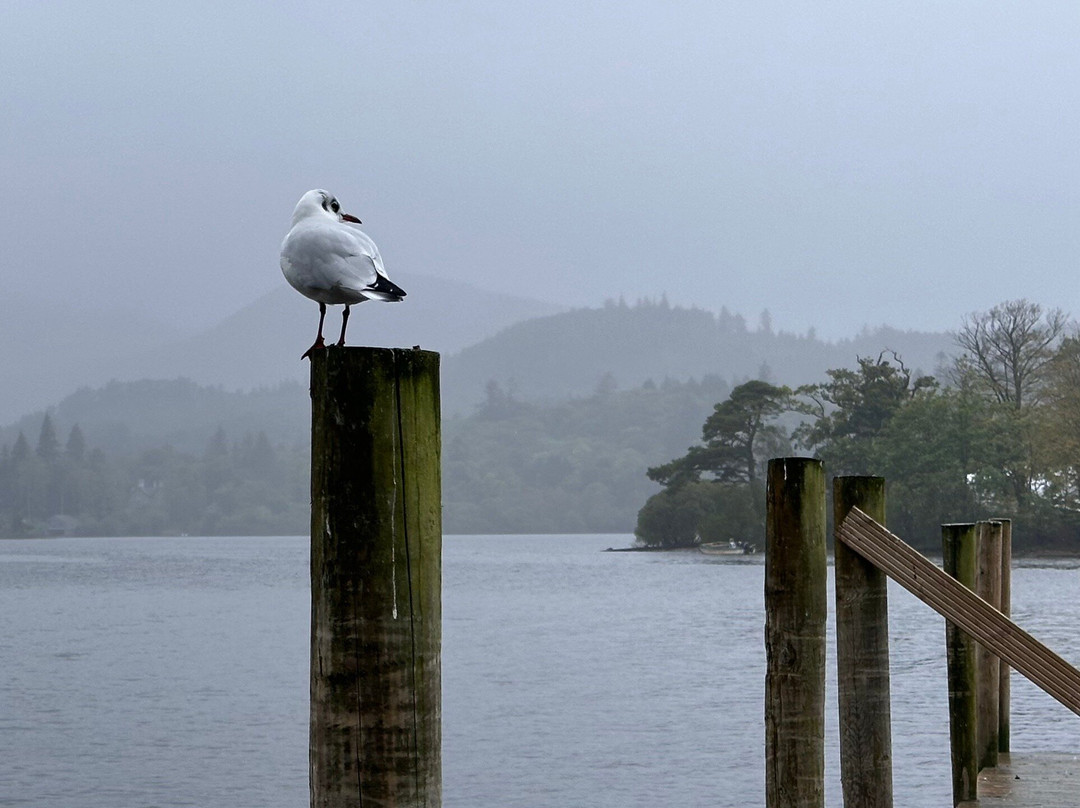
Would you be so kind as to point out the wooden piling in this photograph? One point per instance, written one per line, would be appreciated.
(862, 654)
(958, 545)
(1004, 690)
(795, 611)
(988, 587)
(376, 545)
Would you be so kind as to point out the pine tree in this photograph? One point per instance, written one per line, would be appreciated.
(48, 446)
(22, 449)
(76, 445)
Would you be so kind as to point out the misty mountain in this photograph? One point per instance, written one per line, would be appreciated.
(261, 344)
(547, 359)
(51, 351)
(572, 353)
(509, 467)
(550, 424)
(48, 351)
(543, 359)
(128, 417)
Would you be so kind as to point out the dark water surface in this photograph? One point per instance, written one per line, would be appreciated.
(174, 672)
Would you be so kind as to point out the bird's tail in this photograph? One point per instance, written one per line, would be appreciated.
(385, 290)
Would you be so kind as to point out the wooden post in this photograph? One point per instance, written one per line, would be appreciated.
(958, 545)
(795, 611)
(1004, 691)
(376, 545)
(862, 654)
(988, 587)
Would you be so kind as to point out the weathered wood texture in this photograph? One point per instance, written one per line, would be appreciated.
(1004, 692)
(1029, 781)
(958, 547)
(795, 611)
(962, 606)
(862, 655)
(376, 546)
(988, 587)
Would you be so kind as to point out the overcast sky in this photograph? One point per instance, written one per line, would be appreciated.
(838, 163)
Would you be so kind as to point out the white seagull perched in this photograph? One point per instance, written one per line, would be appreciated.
(328, 258)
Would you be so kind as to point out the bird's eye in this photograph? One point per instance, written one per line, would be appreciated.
(334, 205)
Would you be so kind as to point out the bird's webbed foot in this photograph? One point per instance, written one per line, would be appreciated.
(318, 344)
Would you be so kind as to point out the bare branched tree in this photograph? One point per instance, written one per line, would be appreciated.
(1009, 348)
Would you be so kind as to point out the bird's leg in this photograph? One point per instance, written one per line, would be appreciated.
(344, 322)
(318, 340)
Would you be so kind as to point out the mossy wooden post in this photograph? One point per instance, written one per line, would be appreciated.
(795, 610)
(988, 587)
(1004, 689)
(958, 546)
(376, 545)
(862, 654)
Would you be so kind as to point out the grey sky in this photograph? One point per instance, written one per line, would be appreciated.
(838, 163)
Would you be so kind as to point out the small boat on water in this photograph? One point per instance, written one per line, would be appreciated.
(729, 547)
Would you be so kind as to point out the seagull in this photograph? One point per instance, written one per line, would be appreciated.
(328, 258)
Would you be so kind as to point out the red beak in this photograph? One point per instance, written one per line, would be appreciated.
(350, 218)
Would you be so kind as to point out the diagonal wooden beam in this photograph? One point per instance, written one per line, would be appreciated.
(961, 606)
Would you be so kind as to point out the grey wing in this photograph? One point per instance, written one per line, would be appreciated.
(330, 260)
(365, 245)
(360, 275)
(377, 285)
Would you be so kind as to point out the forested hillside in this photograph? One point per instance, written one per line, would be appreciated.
(174, 457)
(995, 435)
(550, 427)
(562, 355)
(575, 466)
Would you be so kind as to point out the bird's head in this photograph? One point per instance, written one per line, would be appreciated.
(320, 203)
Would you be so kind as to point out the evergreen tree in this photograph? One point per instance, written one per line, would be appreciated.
(849, 411)
(75, 449)
(733, 438)
(48, 445)
(22, 449)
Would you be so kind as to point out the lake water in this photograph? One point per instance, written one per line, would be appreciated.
(174, 672)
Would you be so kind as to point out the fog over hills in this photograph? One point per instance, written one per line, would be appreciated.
(163, 396)
(53, 351)
(571, 353)
(261, 344)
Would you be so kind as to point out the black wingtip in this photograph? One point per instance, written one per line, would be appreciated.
(386, 289)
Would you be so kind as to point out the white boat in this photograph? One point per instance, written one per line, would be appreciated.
(729, 547)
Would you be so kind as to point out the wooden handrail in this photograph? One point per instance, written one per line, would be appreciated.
(962, 607)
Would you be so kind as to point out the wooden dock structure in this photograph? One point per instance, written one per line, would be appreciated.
(982, 644)
(1028, 781)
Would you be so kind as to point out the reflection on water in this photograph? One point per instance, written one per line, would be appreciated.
(174, 672)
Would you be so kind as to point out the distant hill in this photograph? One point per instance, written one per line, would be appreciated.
(544, 359)
(50, 351)
(550, 424)
(568, 354)
(128, 417)
(261, 344)
(183, 458)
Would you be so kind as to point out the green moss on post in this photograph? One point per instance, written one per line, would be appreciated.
(376, 549)
(988, 587)
(958, 546)
(795, 611)
(862, 654)
(1004, 689)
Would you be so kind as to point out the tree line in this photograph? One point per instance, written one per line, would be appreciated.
(242, 487)
(510, 466)
(994, 433)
